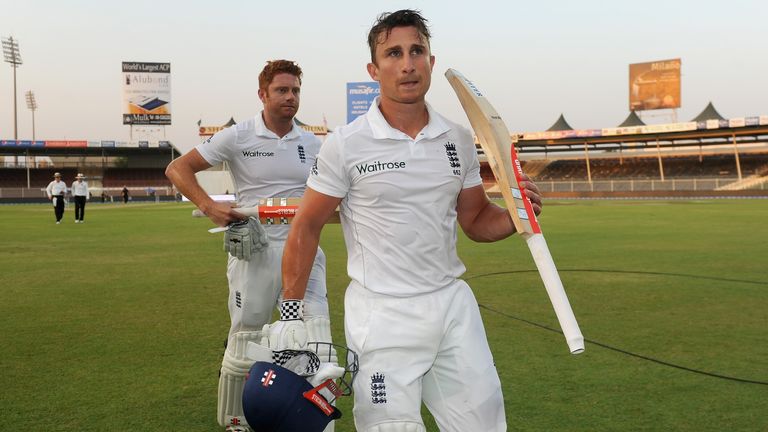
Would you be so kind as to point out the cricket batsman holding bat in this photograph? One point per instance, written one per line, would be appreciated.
(269, 156)
(404, 178)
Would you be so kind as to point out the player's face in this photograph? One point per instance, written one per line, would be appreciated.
(281, 99)
(403, 65)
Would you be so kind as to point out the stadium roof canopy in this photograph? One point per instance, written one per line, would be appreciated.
(632, 120)
(709, 113)
(709, 130)
(560, 125)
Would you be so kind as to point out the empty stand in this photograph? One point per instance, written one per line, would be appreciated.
(38, 177)
(641, 168)
(135, 177)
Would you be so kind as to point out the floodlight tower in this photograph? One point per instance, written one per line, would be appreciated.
(32, 105)
(13, 57)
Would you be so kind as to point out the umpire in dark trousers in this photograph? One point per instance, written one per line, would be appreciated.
(79, 190)
(56, 191)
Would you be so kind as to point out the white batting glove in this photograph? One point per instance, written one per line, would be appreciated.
(289, 333)
(325, 372)
(243, 239)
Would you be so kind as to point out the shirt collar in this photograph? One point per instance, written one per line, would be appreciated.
(435, 127)
(262, 131)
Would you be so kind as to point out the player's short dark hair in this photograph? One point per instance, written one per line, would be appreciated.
(276, 67)
(389, 20)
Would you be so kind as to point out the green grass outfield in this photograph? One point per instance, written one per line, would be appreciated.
(118, 324)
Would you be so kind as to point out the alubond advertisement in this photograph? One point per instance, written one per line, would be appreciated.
(146, 93)
(654, 85)
(360, 96)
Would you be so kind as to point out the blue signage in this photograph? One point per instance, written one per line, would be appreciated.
(360, 96)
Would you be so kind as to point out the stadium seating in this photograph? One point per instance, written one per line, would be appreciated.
(38, 178)
(135, 177)
(640, 168)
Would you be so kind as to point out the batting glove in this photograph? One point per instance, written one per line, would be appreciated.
(243, 239)
(289, 334)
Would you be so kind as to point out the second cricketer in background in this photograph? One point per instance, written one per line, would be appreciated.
(405, 177)
(268, 156)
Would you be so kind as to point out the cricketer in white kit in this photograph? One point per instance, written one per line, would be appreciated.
(264, 165)
(268, 156)
(405, 178)
(399, 221)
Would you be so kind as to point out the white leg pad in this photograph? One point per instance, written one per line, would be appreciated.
(243, 350)
(397, 427)
(319, 330)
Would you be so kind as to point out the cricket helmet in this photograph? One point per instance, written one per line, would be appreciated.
(276, 399)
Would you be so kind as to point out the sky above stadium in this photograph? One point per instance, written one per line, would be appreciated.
(533, 60)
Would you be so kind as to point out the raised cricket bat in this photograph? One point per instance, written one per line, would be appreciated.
(270, 211)
(498, 146)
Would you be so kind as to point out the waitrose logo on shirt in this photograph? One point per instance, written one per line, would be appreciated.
(256, 153)
(379, 166)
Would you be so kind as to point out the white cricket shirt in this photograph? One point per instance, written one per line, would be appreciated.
(80, 188)
(56, 188)
(262, 164)
(398, 211)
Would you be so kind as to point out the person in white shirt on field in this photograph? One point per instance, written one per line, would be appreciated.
(79, 190)
(405, 178)
(269, 156)
(56, 191)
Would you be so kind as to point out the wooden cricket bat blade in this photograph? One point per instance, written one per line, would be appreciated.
(499, 148)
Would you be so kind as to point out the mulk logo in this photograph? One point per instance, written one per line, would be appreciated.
(379, 166)
(453, 157)
(256, 153)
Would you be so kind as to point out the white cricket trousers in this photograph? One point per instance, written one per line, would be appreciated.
(255, 287)
(429, 347)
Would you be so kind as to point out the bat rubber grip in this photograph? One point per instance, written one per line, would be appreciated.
(556, 292)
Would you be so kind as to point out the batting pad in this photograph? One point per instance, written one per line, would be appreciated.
(243, 350)
(319, 330)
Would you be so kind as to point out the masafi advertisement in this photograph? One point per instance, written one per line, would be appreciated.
(360, 96)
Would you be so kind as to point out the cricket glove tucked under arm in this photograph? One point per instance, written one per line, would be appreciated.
(243, 239)
(289, 334)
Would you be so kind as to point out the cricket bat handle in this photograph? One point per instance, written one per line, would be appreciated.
(556, 292)
(266, 214)
(245, 211)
